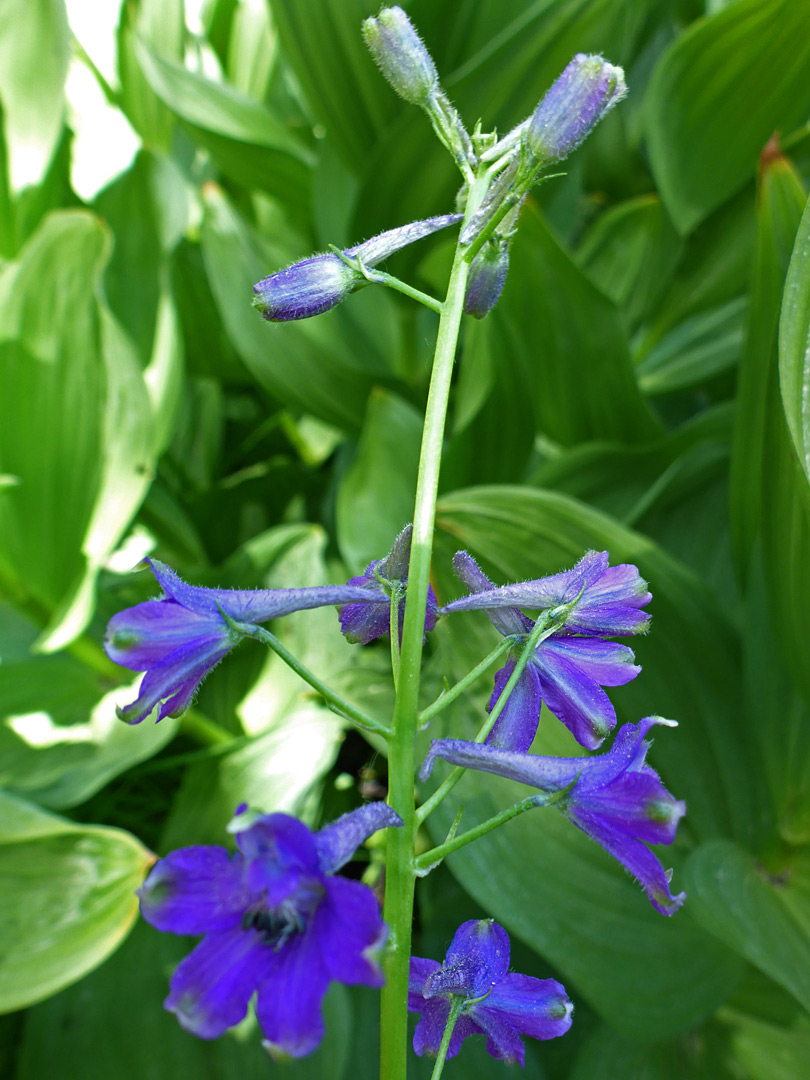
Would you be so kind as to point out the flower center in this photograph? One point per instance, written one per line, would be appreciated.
(277, 926)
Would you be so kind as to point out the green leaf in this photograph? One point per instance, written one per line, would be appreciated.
(245, 139)
(771, 1051)
(112, 1023)
(375, 497)
(704, 135)
(68, 899)
(324, 366)
(161, 23)
(794, 344)
(763, 917)
(34, 58)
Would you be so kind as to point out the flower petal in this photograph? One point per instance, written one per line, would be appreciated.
(572, 695)
(546, 773)
(211, 988)
(194, 890)
(503, 1039)
(429, 1031)
(281, 858)
(537, 1007)
(516, 727)
(541, 593)
(338, 841)
(349, 928)
(420, 969)
(291, 991)
(507, 621)
(180, 674)
(636, 803)
(144, 636)
(486, 945)
(606, 662)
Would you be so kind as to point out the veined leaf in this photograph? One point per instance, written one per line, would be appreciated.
(794, 344)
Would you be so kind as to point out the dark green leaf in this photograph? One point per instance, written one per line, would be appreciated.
(794, 345)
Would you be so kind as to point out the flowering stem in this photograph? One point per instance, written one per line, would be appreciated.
(393, 633)
(379, 277)
(455, 1009)
(449, 696)
(541, 630)
(432, 858)
(400, 875)
(339, 704)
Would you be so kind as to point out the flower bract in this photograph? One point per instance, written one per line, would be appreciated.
(616, 798)
(277, 923)
(496, 1003)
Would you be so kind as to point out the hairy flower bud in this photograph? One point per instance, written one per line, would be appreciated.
(401, 56)
(319, 283)
(487, 275)
(587, 89)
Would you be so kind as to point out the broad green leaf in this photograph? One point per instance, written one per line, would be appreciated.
(704, 134)
(700, 348)
(253, 50)
(322, 42)
(631, 252)
(567, 341)
(605, 1055)
(245, 139)
(34, 58)
(794, 345)
(324, 366)
(375, 497)
(770, 1051)
(160, 23)
(765, 917)
(68, 898)
(114, 1024)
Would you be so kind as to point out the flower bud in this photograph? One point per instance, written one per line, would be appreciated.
(401, 56)
(587, 89)
(319, 283)
(487, 275)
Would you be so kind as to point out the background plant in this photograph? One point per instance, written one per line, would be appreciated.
(624, 394)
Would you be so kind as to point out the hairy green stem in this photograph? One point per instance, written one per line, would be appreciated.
(455, 1009)
(432, 858)
(449, 696)
(339, 704)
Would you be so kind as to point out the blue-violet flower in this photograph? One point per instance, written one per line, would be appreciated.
(276, 923)
(317, 284)
(363, 622)
(570, 666)
(616, 798)
(179, 638)
(497, 1003)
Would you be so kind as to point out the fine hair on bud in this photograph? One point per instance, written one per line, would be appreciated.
(401, 55)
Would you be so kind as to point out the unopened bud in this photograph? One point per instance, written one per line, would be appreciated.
(319, 283)
(487, 275)
(587, 89)
(401, 56)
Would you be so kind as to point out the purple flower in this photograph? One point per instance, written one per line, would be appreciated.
(276, 922)
(319, 283)
(615, 798)
(496, 1002)
(363, 622)
(178, 639)
(568, 668)
(487, 276)
(587, 90)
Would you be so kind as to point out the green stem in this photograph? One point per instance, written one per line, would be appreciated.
(541, 630)
(393, 633)
(455, 1009)
(449, 696)
(432, 858)
(339, 704)
(202, 730)
(379, 277)
(400, 877)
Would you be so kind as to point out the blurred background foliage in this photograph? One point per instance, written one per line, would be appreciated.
(642, 386)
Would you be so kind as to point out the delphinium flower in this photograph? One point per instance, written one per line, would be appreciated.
(365, 621)
(319, 283)
(179, 638)
(616, 798)
(493, 1001)
(277, 922)
(568, 669)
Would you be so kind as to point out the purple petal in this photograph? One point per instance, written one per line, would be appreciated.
(429, 1031)
(503, 1039)
(363, 623)
(211, 988)
(516, 727)
(281, 858)
(176, 678)
(420, 969)
(306, 288)
(144, 636)
(635, 857)
(627, 753)
(636, 803)
(573, 696)
(386, 243)
(350, 930)
(536, 1007)
(194, 890)
(291, 992)
(338, 841)
(544, 592)
(546, 773)
(255, 605)
(505, 621)
(477, 958)
(606, 662)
